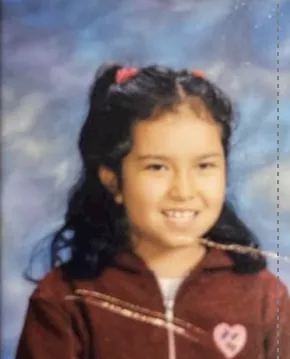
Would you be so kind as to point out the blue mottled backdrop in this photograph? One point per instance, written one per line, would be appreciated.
(50, 52)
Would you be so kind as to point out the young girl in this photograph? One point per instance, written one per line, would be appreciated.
(160, 266)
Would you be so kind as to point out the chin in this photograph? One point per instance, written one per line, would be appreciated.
(181, 241)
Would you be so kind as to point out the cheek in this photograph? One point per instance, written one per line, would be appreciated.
(214, 188)
(141, 190)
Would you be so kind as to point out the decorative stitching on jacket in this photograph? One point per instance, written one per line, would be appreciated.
(135, 312)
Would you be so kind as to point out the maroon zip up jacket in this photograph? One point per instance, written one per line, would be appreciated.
(217, 314)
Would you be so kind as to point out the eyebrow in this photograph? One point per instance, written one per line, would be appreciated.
(167, 158)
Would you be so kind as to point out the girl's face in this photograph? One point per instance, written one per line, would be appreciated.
(173, 180)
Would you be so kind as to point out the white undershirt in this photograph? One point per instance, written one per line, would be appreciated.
(169, 287)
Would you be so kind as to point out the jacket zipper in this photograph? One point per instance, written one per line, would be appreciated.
(169, 314)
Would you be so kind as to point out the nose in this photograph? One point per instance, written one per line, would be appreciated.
(183, 187)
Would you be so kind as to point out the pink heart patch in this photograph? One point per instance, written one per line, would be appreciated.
(230, 339)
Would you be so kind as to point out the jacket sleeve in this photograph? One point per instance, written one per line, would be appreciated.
(47, 332)
(278, 333)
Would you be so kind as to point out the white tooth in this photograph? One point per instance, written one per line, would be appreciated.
(180, 214)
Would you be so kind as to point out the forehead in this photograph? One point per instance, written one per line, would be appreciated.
(179, 132)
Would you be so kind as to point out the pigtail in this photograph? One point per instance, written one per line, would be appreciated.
(97, 225)
(98, 106)
(104, 78)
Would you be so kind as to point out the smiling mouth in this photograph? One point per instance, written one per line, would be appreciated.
(180, 218)
(173, 213)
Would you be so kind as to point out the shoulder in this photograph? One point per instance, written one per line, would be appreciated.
(272, 283)
(57, 285)
(53, 286)
(275, 295)
(264, 285)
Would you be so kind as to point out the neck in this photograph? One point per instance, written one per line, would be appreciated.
(172, 262)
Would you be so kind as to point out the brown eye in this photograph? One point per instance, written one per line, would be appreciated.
(206, 165)
(155, 167)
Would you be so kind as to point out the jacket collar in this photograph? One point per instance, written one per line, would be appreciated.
(213, 259)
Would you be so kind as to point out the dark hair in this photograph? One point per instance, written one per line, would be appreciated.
(95, 227)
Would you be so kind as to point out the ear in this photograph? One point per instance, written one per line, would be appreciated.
(109, 179)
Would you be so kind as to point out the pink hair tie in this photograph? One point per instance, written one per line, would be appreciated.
(198, 73)
(125, 73)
